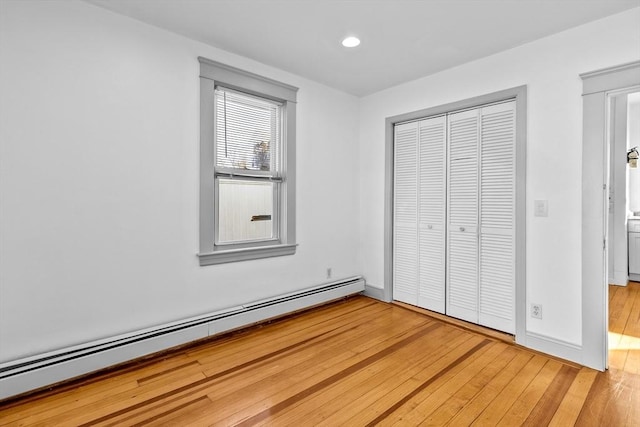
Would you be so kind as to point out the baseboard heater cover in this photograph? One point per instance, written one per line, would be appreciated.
(20, 376)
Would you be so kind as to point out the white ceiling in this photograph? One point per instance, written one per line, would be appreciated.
(401, 39)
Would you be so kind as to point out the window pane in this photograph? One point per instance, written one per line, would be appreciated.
(247, 131)
(245, 210)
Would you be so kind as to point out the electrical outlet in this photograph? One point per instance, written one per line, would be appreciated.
(329, 273)
(536, 311)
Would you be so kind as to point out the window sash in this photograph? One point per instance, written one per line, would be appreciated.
(275, 213)
(248, 132)
(234, 113)
(240, 174)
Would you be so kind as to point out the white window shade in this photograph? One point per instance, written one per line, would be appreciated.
(248, 133)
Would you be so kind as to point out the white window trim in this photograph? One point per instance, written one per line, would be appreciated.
(213, 73)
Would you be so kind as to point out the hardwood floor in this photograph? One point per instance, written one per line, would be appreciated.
(357, 362)
(624, 327)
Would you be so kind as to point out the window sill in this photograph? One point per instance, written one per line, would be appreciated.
(245, 254)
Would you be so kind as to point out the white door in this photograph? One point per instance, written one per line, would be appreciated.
(405, 214)
(432, 213)
(462, 228)
(497, 218)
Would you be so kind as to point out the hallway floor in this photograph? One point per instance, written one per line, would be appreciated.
(624, 327)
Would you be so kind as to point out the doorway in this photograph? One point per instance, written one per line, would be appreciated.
(623, 133)
(622, 220)
(597, 86)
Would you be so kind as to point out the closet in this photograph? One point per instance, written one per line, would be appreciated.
(454, 214)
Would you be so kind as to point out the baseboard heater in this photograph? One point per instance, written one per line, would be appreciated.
(35, 372)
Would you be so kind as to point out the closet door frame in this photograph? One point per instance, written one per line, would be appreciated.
(519, 94)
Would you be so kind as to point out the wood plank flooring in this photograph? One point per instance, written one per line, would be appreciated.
(624, 327)
(356, 362)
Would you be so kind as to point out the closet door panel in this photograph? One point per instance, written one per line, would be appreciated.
(405, 278)
(462, 238)
(462, 289)
(463, 169)
(497, 217)
(497, 296)
(432, 269)
(405, 229)
(431, 213)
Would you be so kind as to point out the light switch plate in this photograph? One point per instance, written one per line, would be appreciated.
(540, 208)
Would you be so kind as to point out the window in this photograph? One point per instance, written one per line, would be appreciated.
(247, 165)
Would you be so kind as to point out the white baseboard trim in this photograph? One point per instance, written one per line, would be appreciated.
(619, 279)
(634, 277)
(555, 347)
(28, 380)
(548, 345)
(373, 292)
(20, 376)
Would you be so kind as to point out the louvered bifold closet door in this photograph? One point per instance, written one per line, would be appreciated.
(497, 217)
(405, 215)
(431, 213)
(462, 228)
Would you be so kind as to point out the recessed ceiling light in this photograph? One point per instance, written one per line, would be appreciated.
(351, 42)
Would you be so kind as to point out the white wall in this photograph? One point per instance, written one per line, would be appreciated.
(550, 67)
(99, 127)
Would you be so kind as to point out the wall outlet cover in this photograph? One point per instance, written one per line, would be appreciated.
(536, 311)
